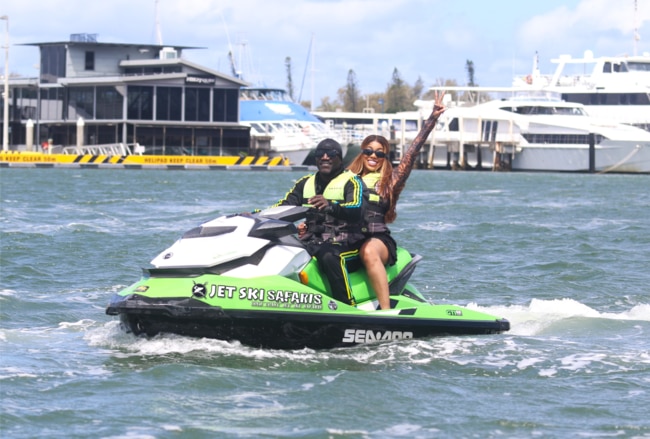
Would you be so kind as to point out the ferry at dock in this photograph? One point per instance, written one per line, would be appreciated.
(291, 131)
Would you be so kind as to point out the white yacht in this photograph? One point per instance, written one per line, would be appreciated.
(536, 134)
(612, 87)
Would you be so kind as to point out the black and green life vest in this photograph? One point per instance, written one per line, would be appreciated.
(322, 225)
(377, 207)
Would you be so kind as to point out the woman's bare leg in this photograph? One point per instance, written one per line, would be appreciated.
(374, 256)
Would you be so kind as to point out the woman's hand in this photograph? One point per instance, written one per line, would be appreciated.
(302, 229)
(438, 107)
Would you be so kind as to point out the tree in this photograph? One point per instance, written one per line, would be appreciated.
(327, 105)
(418, 88)
(350, 95)
(287, 62)
(306, 103)
(470, 96)
(469, 66)
(397, 94)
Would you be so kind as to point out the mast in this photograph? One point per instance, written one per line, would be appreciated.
(637, 37)
(310, 57)
(313, 69)
(159, 39)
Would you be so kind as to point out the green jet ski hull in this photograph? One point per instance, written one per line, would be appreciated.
(289, 312)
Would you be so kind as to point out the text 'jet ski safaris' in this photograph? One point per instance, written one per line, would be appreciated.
(249, 278)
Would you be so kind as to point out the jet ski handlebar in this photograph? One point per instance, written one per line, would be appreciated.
(285, 213)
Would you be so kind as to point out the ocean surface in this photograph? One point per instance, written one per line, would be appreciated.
(566, 258)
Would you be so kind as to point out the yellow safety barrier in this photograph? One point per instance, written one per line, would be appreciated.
(144, 160)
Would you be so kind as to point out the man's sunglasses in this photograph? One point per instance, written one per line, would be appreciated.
(331, 153)
(379, 154)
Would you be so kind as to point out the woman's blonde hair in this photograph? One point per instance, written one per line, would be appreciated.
(384, 189)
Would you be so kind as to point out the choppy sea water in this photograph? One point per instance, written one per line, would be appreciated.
(564, 257)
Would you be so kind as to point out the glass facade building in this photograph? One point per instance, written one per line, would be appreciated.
(128, 94)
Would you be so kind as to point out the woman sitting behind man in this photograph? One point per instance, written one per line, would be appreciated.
(385, 184)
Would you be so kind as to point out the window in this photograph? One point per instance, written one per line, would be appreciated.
(489, 129)
(52, 104)
(140, 102)
(52, 63)
(638, 66)
(152, 70)
(168, 103)
(172, 69)
(561, 139)
(225, 105)
(80, 102)
(109, 103)
(90, 61)
(107, 134)
(26, 103)
(236, 138)
(197, 104)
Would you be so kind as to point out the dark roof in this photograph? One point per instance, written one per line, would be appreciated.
(87, 43)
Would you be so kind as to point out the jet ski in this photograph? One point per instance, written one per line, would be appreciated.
(248, 278)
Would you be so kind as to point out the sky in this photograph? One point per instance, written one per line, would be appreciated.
(325, 39)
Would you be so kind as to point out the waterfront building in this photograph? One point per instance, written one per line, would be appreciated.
(141, 94)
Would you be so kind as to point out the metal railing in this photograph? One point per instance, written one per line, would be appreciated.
(108, 149)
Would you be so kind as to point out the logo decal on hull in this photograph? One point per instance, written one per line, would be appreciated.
(455, 312)
(263, 298)
(368, 335)
(199, 290)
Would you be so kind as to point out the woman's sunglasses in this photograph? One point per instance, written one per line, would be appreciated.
(379, 154)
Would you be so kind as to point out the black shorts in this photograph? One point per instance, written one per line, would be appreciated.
(390, 244)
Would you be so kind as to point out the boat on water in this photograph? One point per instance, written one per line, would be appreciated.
(288, 128)
(247, 278)
(535, 133)
(400, 128)
(613, 87)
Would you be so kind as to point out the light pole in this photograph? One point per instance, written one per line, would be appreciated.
(5, 122)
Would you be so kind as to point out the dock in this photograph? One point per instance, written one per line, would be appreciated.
(22, 159)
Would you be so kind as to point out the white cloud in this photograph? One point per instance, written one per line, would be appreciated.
(592, 24)
(421, 38)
